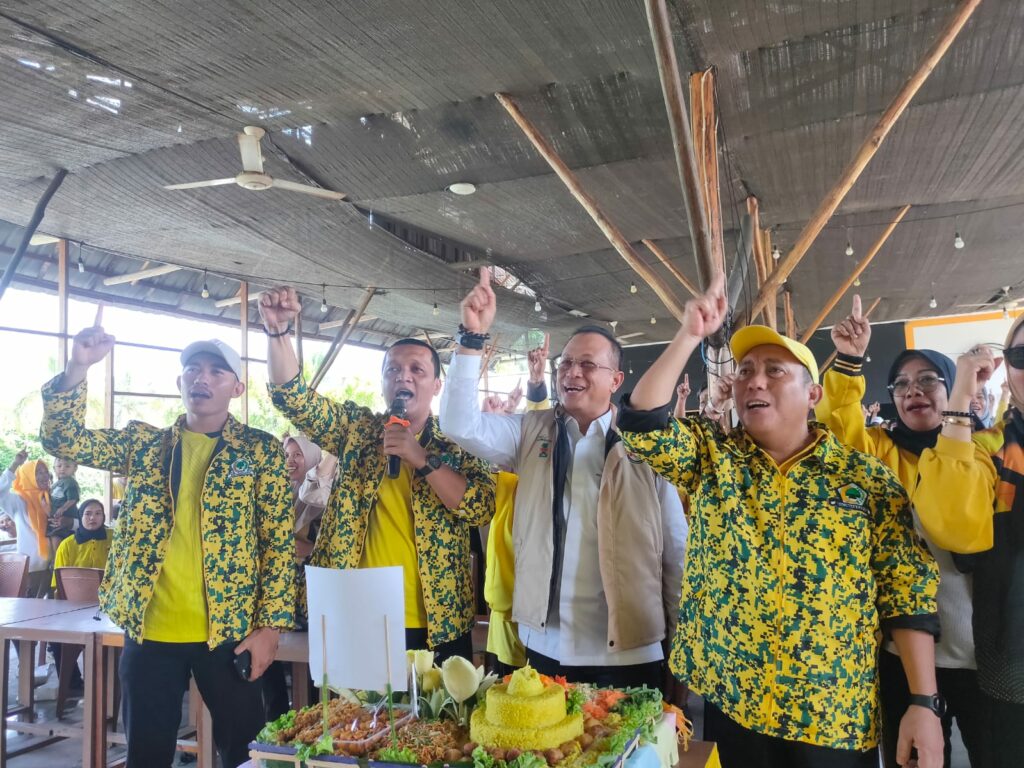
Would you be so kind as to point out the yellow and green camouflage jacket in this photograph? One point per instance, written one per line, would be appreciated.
(353, 434)
(246, 533)
(789, 577)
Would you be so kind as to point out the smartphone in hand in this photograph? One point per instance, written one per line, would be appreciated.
(243, 665)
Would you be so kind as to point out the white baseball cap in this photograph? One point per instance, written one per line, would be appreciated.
(217, 348)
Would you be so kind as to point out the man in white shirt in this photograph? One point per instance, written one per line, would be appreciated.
(599, 539)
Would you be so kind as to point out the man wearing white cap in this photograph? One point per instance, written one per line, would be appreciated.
(801, 553)
(200, 573)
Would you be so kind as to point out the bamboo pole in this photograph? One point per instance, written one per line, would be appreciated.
(430, 341)
(771, 312)
(618, 241)
(654, 248)
(62, 303)
(787, 312)
(682, 139)
(704, 126)
(836, 297)
(753, 211)
(342, 336)
(864, 154)
(243, 327)
(832, 357)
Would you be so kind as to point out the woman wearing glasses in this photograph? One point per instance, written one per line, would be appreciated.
(950, 479)
(999, 576)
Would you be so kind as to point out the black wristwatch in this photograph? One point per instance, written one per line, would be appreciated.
(935, 703)
(433, 462)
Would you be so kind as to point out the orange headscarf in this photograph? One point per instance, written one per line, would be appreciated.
(37, 501)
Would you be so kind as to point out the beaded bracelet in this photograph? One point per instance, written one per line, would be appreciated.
(471, 339)
(285, 332)
(961, 414)
(957, 421)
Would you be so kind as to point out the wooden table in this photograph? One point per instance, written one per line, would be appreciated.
(77, 625)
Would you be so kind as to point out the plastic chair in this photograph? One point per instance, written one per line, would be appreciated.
(83, 585)
(13, 574)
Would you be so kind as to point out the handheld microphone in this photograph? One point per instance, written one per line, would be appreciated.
(396, 415)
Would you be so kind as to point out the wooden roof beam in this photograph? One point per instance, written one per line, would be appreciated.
(618, 241)
(142, 274)
(339, 340)
(863, 156)
(677, 273)
(836, 297)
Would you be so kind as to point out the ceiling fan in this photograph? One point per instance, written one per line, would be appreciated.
(252, 175)
(1000, 299)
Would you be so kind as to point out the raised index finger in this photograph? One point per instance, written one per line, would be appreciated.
(547, 342)
(856, 307)
(98, 322)
(485, 276)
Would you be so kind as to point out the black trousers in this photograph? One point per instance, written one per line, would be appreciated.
(1005, 726)
(154, 678)
(416, 639)
(650, 674)
(740, 747)
(965, 703)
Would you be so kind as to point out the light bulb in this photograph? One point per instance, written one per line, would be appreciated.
(81, 265)
(613, 324)
(867, 358)
(205, 292)
(776, 253)
(323, 305)
(856, 282)
(436, 310)
(958, 242)
(536, 306)
(632, 288)
(933, 303)
(323, 301)
(653, 320)
(1006, 313)
(369, 219)
(630, 370)
(849, 248)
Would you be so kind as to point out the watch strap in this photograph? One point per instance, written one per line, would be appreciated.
(935, 703)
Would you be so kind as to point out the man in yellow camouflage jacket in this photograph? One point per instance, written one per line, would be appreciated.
(422, 518)
(200, 574)
(801, 554)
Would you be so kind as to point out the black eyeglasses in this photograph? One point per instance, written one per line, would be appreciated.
(926, 382)
(586, 366)
(1014, 357)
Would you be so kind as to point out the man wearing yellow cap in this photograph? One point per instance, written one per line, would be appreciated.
(800, 551)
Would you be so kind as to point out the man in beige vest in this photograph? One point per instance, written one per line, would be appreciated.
(599, 538)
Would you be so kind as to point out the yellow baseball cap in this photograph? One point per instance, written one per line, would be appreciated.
(752, 336)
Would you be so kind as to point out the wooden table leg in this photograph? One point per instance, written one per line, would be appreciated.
(89, 709)
(98, 725)
(300, 685)
(26, 678)
(5, 664)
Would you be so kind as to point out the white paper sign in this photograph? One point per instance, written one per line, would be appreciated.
(353, 604)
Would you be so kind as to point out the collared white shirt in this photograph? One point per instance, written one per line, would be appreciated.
(578, 634)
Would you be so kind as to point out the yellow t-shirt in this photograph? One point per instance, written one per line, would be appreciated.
(500, 575)
(71, 554)
(177, 612)
(391, 540)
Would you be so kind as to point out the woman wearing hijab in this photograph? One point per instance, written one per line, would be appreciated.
(311, 472)
(999, 577)
(950, 479)
(25, 500)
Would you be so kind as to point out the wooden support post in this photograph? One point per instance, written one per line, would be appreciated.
(863, 156)
(787, 312)
(753, 211)
(342, 336)
(243, 350)
(618, 241)
(682, 140)
(62, 303)
(677, 273)
(831, 358)
(108, 419)
(704, 125)
(861, 266)
(771, 312)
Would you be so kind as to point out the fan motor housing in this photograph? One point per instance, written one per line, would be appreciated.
(254, 181)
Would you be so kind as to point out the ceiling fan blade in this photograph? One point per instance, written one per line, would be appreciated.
(308, 190)
(252, 157)
(196, 184)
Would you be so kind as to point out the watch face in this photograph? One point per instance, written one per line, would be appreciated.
(434, 461)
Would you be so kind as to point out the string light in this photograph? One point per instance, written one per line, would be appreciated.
(654, 320)
(206, 288)
(436, 310)
(958, 242)
(632, 288)
(613, 324)
(776, 253)
(323, 301)
(933, 303)
(536, 306)
(856, 281)
(849, 245)
(81, 264)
